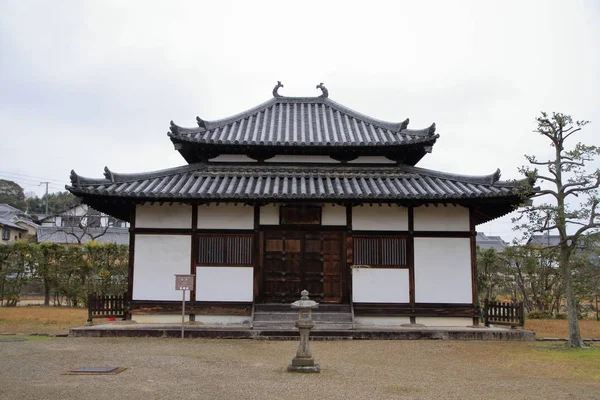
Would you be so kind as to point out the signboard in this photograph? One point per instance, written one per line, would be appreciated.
(184, 282)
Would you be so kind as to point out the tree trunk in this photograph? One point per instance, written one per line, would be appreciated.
(574, 333)
(46, 292)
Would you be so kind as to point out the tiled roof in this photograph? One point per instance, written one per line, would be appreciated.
(11, 225)
(302, 121)
(490, 242)
(327, 182)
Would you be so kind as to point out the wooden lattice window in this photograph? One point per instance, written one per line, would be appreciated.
(300, 215)
(225, 250)
(380, 251)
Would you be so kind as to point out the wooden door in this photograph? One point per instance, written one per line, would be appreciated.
(282, 273)
(294, 261)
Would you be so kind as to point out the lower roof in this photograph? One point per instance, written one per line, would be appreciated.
(299, 182)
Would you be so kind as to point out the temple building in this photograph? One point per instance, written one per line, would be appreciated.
(303, 193)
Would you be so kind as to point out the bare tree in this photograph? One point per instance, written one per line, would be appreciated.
(572, 209)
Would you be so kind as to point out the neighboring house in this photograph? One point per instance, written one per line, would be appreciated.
(11, 232)
(15, 224)
(303, 193)
(491, 242)
(82, 224)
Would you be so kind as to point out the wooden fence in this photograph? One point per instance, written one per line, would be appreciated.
(100, 306)
(503, 313)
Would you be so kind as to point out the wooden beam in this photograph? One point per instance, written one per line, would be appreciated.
(410, 246)
(194, 248)
(131, 258)
(473, 241)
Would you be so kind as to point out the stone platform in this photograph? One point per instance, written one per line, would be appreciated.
(120, 329)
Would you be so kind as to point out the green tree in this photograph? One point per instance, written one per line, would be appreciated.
(571, 192)
(12, 194)
(58, 203)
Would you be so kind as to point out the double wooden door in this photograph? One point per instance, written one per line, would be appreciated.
(294, 261)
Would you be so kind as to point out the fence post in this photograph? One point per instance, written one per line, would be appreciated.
(90, 299)
(522, 314)
(486, 319)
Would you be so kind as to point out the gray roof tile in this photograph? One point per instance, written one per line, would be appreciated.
(334, 181)
(299, 121)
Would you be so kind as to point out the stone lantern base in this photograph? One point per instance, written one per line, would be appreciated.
(315, 368)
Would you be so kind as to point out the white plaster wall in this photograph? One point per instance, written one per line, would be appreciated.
(232, 158)
(269, 214)
(225, 216)
(381, 321)
(371, 160)
(216, 319)
(378, 218)
(158, 318)
(444, 321)
(163, 216)
(157, 259)
(333, 215)
(443, 270)
(224, 283)
(380, 285)
(301, 159)
(450, 218)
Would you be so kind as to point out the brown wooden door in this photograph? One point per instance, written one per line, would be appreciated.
(294, 261)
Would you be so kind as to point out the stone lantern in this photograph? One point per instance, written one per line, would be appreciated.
(304, 361)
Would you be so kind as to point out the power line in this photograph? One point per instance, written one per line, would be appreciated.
(33, 177)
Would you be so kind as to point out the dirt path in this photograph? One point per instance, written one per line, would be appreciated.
(246, 369)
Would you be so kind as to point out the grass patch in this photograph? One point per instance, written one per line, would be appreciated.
(40, 319)
(559, 328)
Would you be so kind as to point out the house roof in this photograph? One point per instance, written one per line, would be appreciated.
(310, 125)
(544, 240)
(490, 242)
(289, 182)
(55, 234)
(9, 224)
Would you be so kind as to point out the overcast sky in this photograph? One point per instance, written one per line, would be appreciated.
(89, 84)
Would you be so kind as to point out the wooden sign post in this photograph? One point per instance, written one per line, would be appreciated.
(183, 282)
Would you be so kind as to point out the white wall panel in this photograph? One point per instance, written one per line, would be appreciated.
(380, 285)
(269, 214)
(232, 158)
(445, 321)
(301, 159)
(381, 321)
(333, 215)
(450, 218)
(225, 216)
(371, 160)
(157, 259)
(224, 283)
(163, 216)
(378, 218)
(443, 270)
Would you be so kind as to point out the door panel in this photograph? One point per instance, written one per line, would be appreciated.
(294, 261)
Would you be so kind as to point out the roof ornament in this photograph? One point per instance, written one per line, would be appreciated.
(201, 122)
(74, 178)
(109, 175)
(276, 88)
(431, 130)
(324, 90)
(174, 128)
(496, 176)
(404, 124)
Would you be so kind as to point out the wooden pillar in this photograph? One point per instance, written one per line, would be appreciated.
(475, 295)
(131, 259)
(256, 250)
(349, 253)
(194, 250)
(410, 246)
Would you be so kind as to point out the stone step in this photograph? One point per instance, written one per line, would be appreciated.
(290, 326)
(293, 316)
(285, 307)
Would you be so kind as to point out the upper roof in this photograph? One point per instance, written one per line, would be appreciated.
(289, 182)
(301, 125)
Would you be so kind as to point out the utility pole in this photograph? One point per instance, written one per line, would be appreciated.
(46, 183)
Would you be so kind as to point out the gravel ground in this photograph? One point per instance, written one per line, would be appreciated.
(251, 369)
